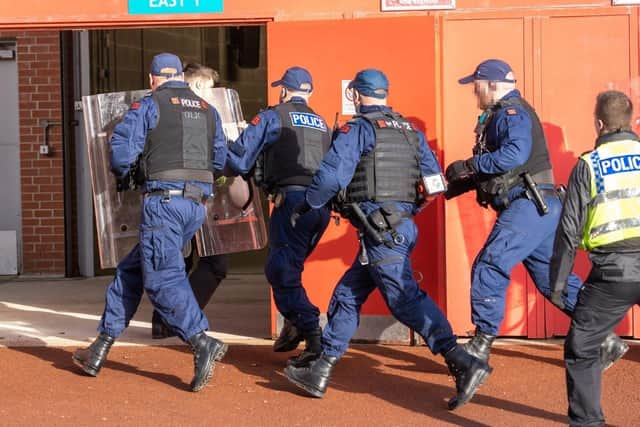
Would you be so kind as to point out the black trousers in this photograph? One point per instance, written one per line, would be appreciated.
(206, 277)
(600, 307)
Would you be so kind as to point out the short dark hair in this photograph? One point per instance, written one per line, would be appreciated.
(195, 70)
(614, 108)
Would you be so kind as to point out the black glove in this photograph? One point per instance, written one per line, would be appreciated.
(557, 298)
(299, 210)
(457, 188)
(460, 170)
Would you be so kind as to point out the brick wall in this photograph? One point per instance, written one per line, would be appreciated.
(39, 92)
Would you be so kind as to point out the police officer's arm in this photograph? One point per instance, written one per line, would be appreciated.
(339, 164)
(513, 127)
(263, 130)
(129, 135)
(219, 145)
(571, 226)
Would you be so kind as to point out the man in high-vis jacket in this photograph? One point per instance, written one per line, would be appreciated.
(601, 214)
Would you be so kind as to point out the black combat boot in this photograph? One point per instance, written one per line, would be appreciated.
(313, 377)
(206, 350)
(611, 350)
(92, 358)
(312, 350)
(468, 371)
(159, 328)
(480, 345)
(289, 338)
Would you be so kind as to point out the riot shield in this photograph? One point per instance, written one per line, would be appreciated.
(117, 214)
(235, 220)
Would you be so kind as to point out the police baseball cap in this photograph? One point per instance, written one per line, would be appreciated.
(371, 82)
(493, 70)
(166, 65)
(295, 78)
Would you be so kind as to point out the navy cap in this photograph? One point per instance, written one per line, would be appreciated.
(493, 70)
(295, 78)
(165, 64)
(371, 82)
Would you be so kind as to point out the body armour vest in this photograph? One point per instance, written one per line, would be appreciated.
(538, 165)
(179, 148)
(388, 172)
(296, 155)
(614, 209)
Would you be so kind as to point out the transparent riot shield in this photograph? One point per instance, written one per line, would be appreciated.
(235, 220)
(117, 214)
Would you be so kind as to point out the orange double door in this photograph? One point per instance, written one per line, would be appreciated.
(423, 57)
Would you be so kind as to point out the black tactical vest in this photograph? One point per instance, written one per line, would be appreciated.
(179, 148)
(538, 165)
(296, 155)
(388, 172)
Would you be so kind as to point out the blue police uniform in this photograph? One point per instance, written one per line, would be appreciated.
(373, 166)
(156, 265)
(389, 268)
(520, 233)
(288, 247)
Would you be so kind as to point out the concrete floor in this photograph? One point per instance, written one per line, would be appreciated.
(37, 311)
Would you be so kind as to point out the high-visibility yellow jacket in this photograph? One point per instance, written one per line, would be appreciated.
(614, 209)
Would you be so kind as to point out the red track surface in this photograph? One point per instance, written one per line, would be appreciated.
(372, 386)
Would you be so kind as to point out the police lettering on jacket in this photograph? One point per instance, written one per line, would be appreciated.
(179, 147)
(619, 164)
(302, 144)
(308, 120)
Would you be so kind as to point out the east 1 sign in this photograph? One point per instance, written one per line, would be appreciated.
(153, 7)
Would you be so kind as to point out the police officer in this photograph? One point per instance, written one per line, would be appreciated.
(180, 142)
(602, 215)
(210, 270)
(377, 158)
(284, 145)
(511, 172)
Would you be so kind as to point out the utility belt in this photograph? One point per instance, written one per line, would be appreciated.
(543, 192)
(279, 194)
(190, 191)
(531, 191)
(383, 220)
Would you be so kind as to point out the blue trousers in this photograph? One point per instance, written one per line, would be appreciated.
(288, 249)
(156, 266)
(389, 270)
(520, 234)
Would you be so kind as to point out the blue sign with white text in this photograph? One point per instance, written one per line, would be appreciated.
(307, 120)
(154, 7)
(628, 163)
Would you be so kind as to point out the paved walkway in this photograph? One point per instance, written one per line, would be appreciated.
(65, 312)
(43, 320)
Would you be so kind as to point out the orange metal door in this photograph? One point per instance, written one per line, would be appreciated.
(467, 225)
(334, 51)
(560, 77)
(569, 73)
